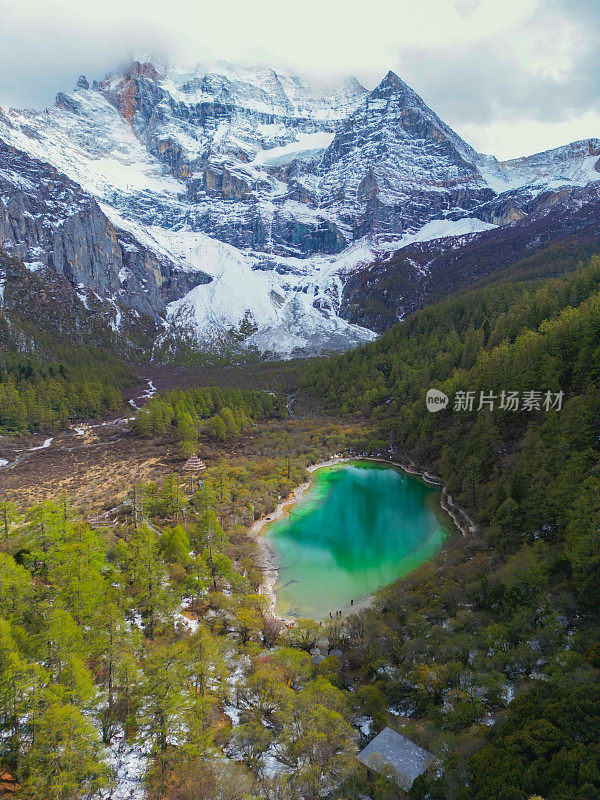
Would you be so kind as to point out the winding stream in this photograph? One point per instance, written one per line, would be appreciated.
(360, 526)
(82, 428)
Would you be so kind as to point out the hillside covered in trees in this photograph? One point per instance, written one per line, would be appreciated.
(515, 605)
(39, 395)
(54, 367)
(139, 643)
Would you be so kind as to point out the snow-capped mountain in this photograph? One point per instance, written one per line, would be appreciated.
(235, 204)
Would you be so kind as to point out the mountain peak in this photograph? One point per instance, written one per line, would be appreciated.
(353, 83)
(391, 76)
(393, 82)
(255, 176)
(393, 86)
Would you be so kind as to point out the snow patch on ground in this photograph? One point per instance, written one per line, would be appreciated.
(43, 446)
(247, 289)
(233, 713)
(128, 762)
(365, 724)
(189, 624)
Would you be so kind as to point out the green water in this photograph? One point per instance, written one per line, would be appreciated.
(360, 526)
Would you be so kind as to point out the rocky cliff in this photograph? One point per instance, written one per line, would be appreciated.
(48, 222)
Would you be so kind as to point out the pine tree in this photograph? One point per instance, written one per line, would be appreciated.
(9, 516)
(141, 557)
(65, 758)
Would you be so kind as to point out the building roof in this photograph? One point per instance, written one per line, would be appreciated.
(194, 464)
(391, 750)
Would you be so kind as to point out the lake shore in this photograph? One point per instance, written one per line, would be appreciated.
(269, 565)
(465, 524)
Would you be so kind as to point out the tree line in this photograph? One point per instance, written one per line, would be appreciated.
(212, 410)
(39, 395)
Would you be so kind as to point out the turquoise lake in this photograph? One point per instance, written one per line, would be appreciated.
(360, 526)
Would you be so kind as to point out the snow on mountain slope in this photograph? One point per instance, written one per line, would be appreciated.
(277, 190)
(394, 157)
(575, 164)
(86, 138)
(257, 88)
(289, 310)
(306, 146)
(290, 306)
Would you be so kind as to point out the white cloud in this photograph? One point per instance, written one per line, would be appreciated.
(486, 67)
(507, 139)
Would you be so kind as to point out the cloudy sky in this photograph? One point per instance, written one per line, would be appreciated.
(512, 77)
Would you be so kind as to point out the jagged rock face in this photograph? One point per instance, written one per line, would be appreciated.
(394, 164)
(391, 164)
(41, 309)
(208, 131)
(243, 200)
(570, 162)
(46, 220)
(135, 92)
(89, 251)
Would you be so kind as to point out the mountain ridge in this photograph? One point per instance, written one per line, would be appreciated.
(268, 192)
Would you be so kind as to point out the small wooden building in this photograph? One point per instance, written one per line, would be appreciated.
(390, 752)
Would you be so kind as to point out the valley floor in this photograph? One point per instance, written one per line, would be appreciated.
(96, 459)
